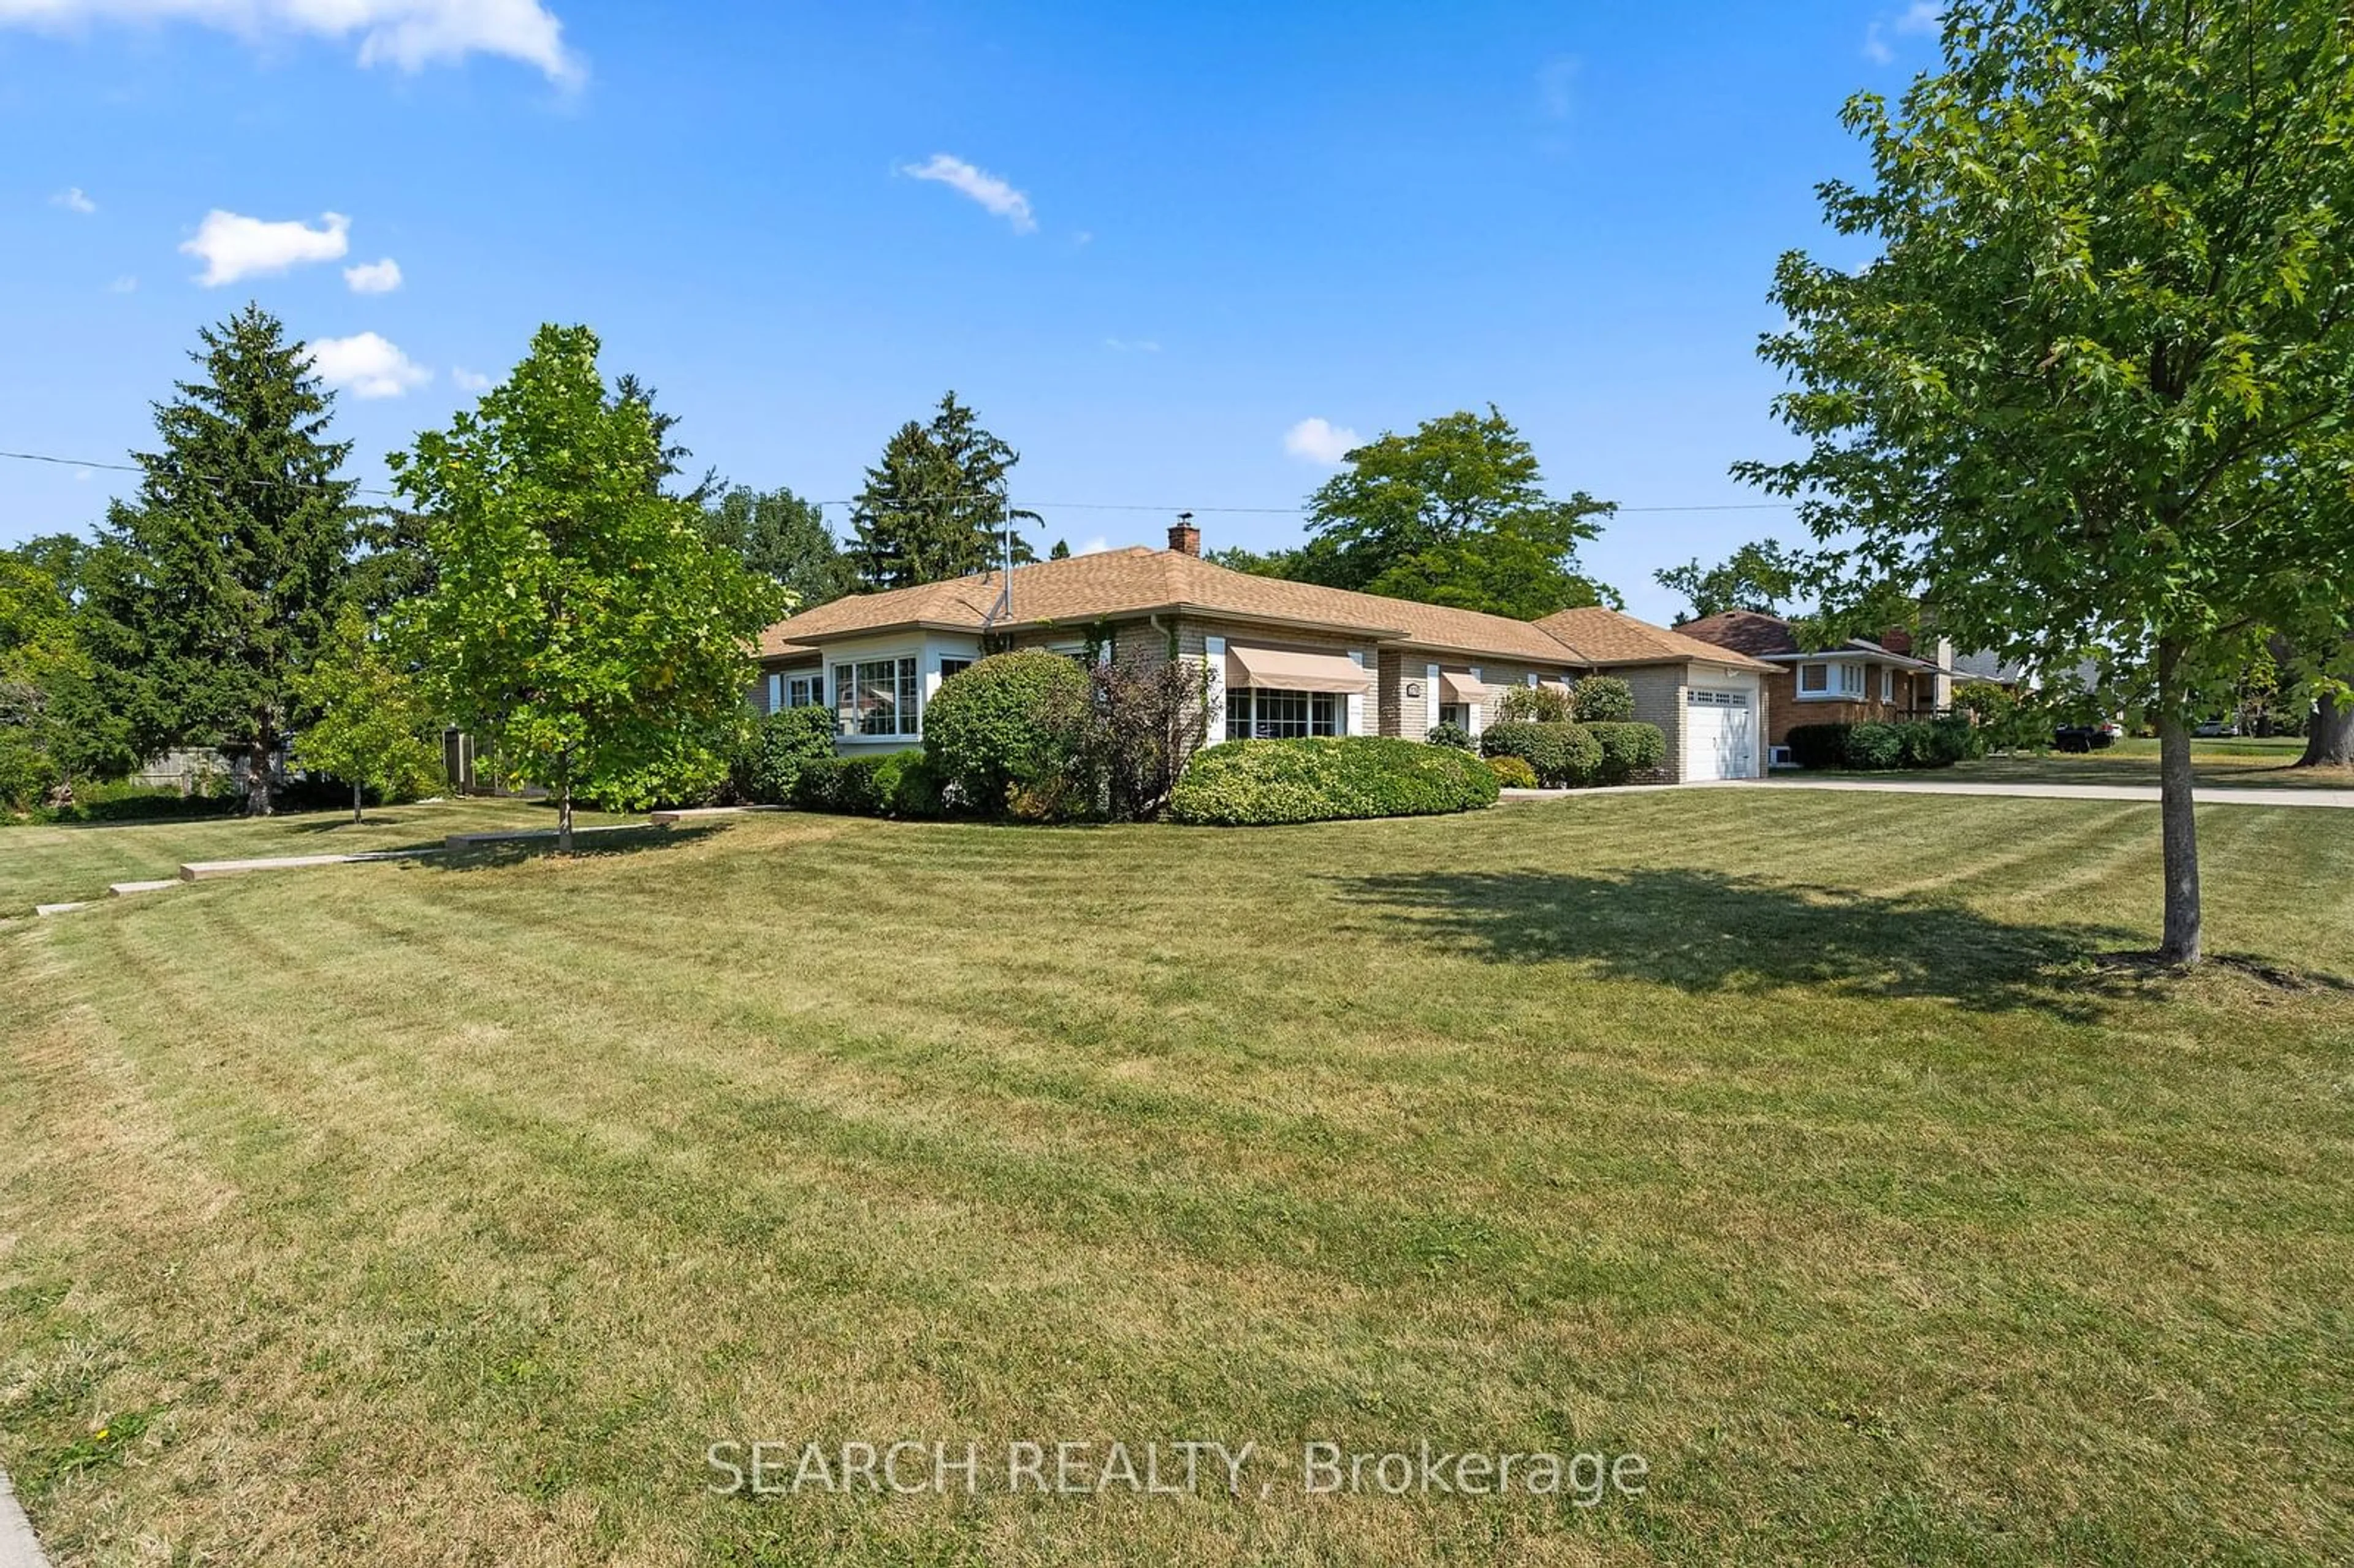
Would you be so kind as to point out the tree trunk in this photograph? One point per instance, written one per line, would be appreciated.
(564, 820)
(257, 802)
(355, 805)
(2329, 736)
(2178, 824)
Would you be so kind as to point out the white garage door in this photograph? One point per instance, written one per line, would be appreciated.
(1720, 735)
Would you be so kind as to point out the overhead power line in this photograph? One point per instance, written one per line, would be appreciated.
(1163, 509)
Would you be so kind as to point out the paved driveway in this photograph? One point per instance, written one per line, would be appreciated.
(2143, 792)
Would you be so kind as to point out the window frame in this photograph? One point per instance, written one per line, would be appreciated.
(855, 720)
(1319, 715)
(1843, 681)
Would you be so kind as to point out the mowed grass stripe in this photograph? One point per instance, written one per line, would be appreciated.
(1886, 1232)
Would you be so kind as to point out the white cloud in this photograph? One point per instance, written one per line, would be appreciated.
(373, 277)
(1095, 547)
(991, 192)
(1132, 344)
(232, 247)
(366, 365)
(469, 380)
(1922, 16)
(126, 284)
(1320, 441)
(407, 33)
(73, 198)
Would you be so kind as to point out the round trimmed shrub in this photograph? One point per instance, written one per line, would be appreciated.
(1563, 756)
(1010, 729)
(1875, 747)
(1629, 750)
(1250, 783)
(1512, 773)
(1603, 699)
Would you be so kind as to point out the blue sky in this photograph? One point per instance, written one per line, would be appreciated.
(1147, 244)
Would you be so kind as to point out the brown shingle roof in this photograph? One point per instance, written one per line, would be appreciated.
(1139, 581)
(1745, 631)
(1605, 637)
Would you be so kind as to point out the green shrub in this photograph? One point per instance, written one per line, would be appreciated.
(1603, 699)
(1563, 756)
(1629, 750)
(907, 785)
(1013, 724)
(1875, 747)
(1819, 744)
(1512, 773)
(1453, 735)
(128, 803)
(853, 786)
(775, 749)
(1246, 783)
(1535, 705)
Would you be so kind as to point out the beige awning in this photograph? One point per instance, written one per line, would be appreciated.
(1282, 670)
(1458, 686)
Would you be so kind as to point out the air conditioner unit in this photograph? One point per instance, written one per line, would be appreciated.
(1778, 756)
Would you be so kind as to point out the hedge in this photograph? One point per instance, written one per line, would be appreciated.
(889, 784)
(1563, 756)
(1250, 783)
(1603, 699)
(1876, 747)
(1629, 750)
(1007, 732)
(778, 747)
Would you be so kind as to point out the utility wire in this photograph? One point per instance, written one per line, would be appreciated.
(847, 505)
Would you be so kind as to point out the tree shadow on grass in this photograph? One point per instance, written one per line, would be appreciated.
(605, 843)
(1702, 932)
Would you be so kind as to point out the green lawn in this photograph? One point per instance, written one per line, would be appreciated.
(56, 864)
(436, 1213)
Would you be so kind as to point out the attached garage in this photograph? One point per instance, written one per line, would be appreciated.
(1722, 726)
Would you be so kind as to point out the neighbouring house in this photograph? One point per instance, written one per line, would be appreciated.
(1857, 682)
(1280, 659)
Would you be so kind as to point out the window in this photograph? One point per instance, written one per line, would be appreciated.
(805, 691)
(954, 667)
(1827, 680)
(1254, 715)
(1887, 684)
(1455, 714)
(876, 697)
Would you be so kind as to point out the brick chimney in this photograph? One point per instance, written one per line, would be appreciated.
(1184, 537)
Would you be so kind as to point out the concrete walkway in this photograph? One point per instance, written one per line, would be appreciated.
(2144, 793)
(17, 1547)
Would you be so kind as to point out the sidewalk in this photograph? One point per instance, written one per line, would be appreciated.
(2144, 793)
(17, 1547)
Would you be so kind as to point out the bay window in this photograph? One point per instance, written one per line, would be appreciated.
(878, 697)
(1835, 679)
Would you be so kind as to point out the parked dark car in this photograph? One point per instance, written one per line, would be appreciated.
(2084, 736)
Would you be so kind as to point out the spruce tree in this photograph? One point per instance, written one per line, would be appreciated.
(210, 591)
(933, 508)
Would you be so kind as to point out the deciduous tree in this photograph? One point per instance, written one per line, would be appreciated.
(579, 622)
(1454, 513)
(1762, 576)
(370, 724)
(2091, 397)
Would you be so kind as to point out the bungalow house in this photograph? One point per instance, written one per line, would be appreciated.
(1282, 659)
(1856, 681)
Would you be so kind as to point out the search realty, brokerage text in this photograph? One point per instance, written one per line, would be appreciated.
(1183, 1467)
